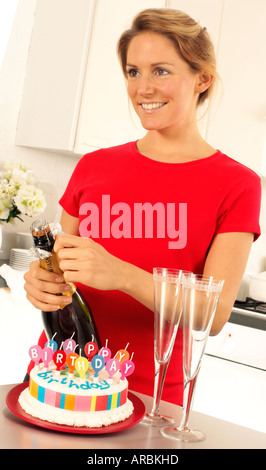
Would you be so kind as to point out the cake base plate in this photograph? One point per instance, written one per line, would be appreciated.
(14, 406)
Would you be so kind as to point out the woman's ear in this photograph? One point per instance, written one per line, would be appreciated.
(204, 81)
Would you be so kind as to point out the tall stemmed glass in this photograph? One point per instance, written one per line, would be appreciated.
(200, 295)
(167, 312)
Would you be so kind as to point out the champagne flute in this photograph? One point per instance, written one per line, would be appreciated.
(167, 312)
(200, 295)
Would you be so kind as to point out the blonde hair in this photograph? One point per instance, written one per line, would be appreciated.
(192, 41)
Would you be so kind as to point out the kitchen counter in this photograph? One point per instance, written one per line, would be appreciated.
(219, 434)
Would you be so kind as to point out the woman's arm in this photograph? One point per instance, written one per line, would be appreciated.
(83, 260)
(86, 261)
(227, 260)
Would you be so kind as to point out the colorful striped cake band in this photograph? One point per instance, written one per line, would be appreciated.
(77, 402)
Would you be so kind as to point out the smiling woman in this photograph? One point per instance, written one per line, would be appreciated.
(162, 97)
(117, 198)
(190, 40)
(169, 62)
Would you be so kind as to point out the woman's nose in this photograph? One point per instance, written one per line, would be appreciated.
(146, 85)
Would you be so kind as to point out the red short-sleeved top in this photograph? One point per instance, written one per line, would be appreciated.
(151, 213)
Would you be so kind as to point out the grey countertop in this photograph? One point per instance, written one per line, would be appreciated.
(18, 434)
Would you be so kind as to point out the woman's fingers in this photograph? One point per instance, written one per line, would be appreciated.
(44, 289)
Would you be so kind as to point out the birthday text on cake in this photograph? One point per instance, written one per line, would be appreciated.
(101, 384)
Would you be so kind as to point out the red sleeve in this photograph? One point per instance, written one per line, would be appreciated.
(240, 210)
(70, 199)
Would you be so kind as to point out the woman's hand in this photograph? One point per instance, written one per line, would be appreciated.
(83, 260)
(44, 289)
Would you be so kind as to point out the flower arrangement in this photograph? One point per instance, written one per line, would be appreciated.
(18, 195)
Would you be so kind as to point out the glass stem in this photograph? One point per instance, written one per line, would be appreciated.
(189, 386)
(160, 371)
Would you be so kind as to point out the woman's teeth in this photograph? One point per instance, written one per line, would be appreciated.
(152, 105)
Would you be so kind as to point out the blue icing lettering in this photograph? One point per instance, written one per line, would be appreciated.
(52, 380)
(72, 384)
(45, 375)
(103, 384)
(85, 386)
(95, 385)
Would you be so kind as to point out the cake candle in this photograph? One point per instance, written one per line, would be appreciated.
(35, 353)
(59, 359)
(97, 363)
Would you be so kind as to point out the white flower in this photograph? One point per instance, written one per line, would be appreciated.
(4, 210)
(18, 195)
(30, 200)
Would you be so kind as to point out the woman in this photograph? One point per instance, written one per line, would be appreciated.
(169, 199)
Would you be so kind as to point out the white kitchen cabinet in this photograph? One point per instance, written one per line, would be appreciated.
(236, 123)
(55, 74)
(74, 96)
(106, 118)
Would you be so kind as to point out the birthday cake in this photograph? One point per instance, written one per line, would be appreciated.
(79, 391)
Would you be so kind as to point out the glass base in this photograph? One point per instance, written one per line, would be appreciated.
(185, 435)
(157, 420)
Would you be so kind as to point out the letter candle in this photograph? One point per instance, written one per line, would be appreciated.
(59, 359)
(90, 349)
(112, 366)
(97, 363)
(52, 344)
(35, 353)
(81, 366)
(105, 352)
(47, 356)
(69, 345)
(70, 362)
(122, 355)
(127, 368)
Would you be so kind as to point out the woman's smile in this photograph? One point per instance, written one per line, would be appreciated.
(151, 106)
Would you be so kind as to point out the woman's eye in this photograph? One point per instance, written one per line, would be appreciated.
(160, 71)
(132, 73)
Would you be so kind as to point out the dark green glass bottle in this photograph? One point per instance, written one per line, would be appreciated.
(75, 319)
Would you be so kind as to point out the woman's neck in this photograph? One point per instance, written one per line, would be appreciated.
(174, 148)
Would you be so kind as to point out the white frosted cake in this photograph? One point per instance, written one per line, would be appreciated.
(90, 400)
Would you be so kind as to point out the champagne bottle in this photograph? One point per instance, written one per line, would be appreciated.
(74, 320)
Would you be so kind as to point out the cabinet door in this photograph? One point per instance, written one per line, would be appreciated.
(55, 73)
(106, 118)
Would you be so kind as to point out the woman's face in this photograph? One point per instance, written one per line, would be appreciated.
(161, 84)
